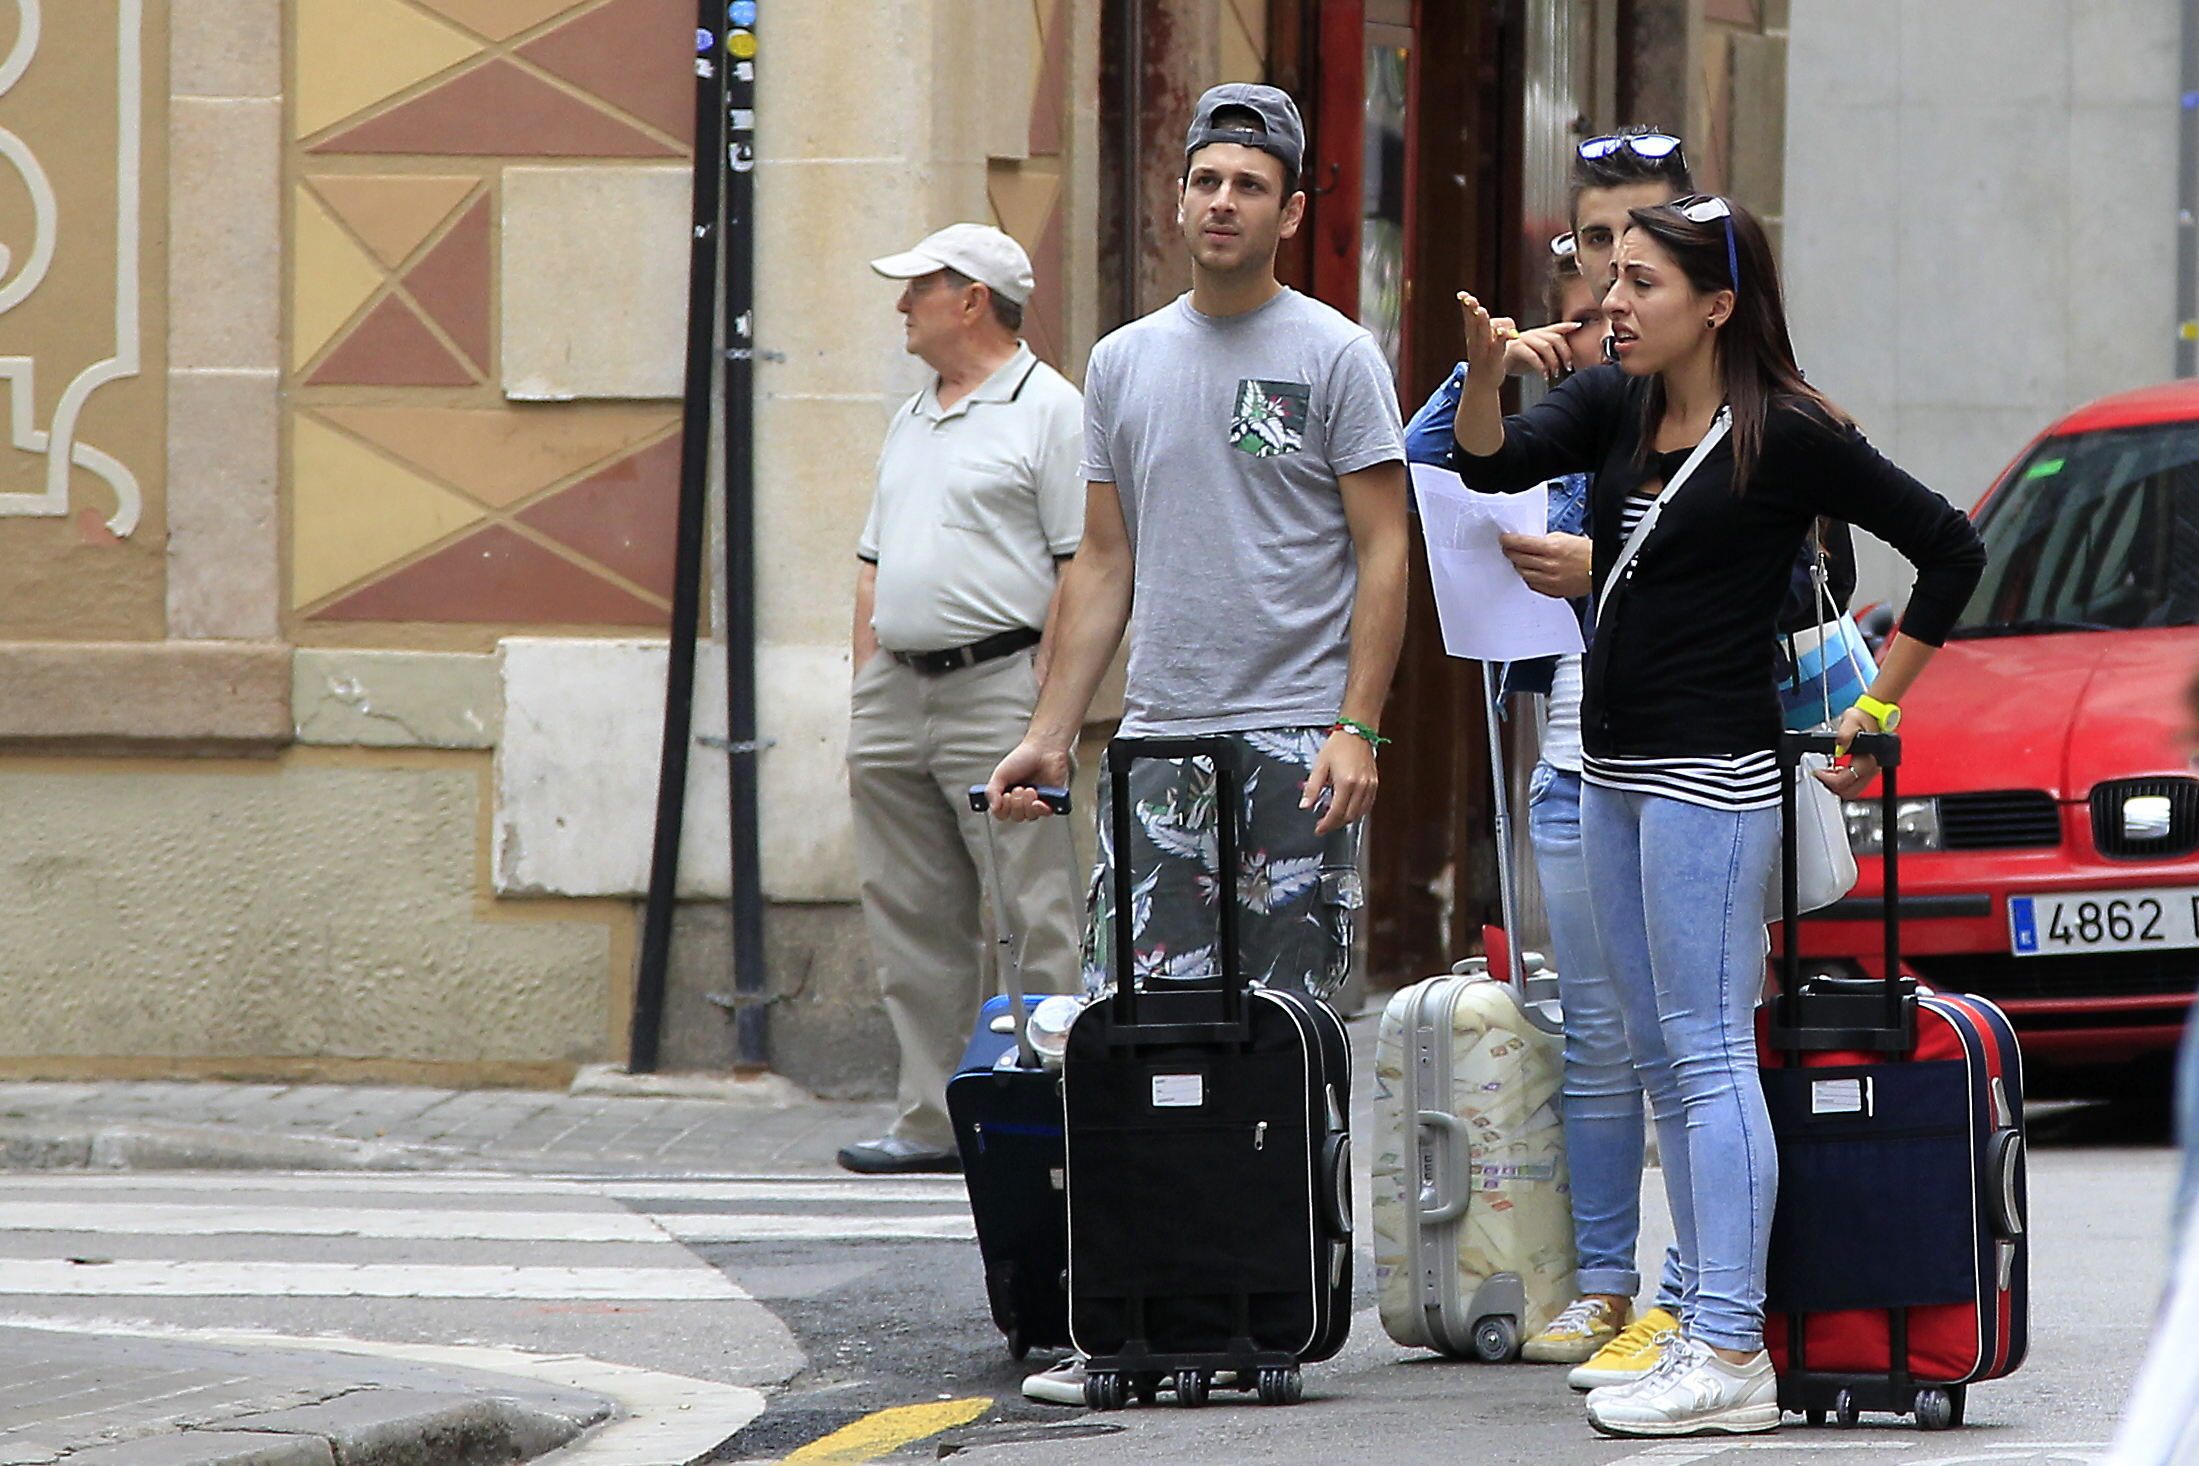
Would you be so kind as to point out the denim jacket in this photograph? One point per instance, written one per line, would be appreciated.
(1428, 439)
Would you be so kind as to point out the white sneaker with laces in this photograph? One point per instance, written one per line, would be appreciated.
(1061, 1385)
(1692, 1391)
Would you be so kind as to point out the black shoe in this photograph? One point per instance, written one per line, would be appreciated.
(890, 1155)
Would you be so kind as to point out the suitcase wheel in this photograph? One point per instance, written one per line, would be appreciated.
(1146, 1387)
(1016, 1347)
(1938, 1409)
(1845, 1413)
(1281, 1386)
(1192, 1387)
(1106, 1390)
(1813, 1416)
(1496, 1339)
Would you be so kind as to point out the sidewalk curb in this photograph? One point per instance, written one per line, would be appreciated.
(760, 1091)
(141, 1147)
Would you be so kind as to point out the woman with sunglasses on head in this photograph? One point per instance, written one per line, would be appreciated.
(1680, 717)
(1598, 1335)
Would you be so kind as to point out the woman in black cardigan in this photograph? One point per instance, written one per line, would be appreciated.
(1680, 717)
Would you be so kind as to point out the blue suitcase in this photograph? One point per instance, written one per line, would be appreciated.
(1006, 1108)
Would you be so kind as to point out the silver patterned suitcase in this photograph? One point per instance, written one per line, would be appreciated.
(1473, 1222)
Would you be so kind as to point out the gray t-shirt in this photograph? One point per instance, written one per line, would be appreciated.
(1224, 437)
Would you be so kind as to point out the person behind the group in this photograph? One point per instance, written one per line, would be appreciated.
(977, 505)
(1680, 717)
(1246, 477)
(1602, 1102)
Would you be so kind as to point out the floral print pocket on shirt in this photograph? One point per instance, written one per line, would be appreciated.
(1270, 417)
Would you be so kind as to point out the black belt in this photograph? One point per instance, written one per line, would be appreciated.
(955, 658)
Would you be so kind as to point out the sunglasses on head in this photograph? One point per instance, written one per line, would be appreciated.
(1652, 147)
(1564, 246)
(1701, 208)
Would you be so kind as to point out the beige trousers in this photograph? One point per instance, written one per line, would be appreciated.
(915, 746)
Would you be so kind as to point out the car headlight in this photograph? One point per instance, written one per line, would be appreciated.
(1916, 825)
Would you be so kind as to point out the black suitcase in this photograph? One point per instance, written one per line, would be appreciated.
(1209, 1160)
(1007, 1125)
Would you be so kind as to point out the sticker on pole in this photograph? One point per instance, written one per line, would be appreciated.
(741, 12)
(706, 40)
(742, 44)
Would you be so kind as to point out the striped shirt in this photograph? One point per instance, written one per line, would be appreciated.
(1738, 781)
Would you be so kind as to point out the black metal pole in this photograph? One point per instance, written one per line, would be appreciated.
(751, 1019)
(679, 689)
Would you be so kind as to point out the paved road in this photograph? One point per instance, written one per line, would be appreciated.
(744, 1263)
(898, 1322)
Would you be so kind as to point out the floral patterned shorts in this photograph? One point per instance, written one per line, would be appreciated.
(1298, 893)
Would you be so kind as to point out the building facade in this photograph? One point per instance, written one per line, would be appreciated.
(345, 339)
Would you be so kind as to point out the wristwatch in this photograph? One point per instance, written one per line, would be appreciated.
(1888, 714)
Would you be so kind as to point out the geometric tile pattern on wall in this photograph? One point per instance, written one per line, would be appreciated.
(586, 78)
(392, 281)
(539, 516)
(498, 576)
(499, 20)
(393, 215)
(624, 517)
(355, 53)
(418, 493)
(358, 512)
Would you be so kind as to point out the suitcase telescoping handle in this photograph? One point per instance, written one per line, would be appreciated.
(1122, 753)
(1011, 950)
(1876, 1016)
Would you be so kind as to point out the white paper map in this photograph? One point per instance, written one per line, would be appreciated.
(1488, 613)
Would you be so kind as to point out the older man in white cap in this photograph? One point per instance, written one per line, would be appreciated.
(978, 503)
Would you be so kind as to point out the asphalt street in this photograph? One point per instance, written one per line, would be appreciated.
(748, 1303)
(900, 1322)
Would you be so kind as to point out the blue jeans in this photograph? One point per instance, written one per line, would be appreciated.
(1603, 1096)
(1679, 914)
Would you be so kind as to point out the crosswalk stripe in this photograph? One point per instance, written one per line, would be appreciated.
(892, 1190)
(169, 1219)
(134, 1279)
(716, 1227)
(163, 1219)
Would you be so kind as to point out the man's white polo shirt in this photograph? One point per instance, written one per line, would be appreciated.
(973, 504)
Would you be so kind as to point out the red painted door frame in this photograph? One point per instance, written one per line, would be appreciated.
(1335, 173)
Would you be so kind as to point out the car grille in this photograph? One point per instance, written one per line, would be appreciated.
(2107, 818)
(2008, 819)
(2089, 975)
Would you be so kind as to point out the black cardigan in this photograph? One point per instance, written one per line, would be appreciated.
(1683, 661)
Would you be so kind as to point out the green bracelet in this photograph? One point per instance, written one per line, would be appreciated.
(1353, 725)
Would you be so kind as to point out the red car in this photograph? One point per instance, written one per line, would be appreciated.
(2049, 817)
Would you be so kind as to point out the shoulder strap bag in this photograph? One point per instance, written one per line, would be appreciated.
(1825, 867)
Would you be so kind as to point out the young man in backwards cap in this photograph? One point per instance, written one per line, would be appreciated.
(1245, 470)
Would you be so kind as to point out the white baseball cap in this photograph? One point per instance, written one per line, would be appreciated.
(979, 251)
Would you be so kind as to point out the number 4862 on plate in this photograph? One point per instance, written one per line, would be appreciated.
(2103, 921)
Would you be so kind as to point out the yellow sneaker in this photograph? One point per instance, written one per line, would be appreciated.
(1631, 1355)
(1586, 1325)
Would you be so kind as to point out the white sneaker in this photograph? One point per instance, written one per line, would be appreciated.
(1061, 1385)
(1691, 1392)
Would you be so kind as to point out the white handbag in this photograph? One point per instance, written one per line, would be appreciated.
(1824, 861)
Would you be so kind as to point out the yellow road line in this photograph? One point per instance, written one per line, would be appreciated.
(887, 1431)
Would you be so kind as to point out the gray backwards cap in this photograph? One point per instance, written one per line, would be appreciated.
(1285, 137)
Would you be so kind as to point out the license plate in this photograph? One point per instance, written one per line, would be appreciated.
(2103, 921)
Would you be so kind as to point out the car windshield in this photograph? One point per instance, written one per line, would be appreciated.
(2098, 532)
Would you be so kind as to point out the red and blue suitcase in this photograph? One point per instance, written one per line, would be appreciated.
(1900, 1260)
(1006, 1106)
